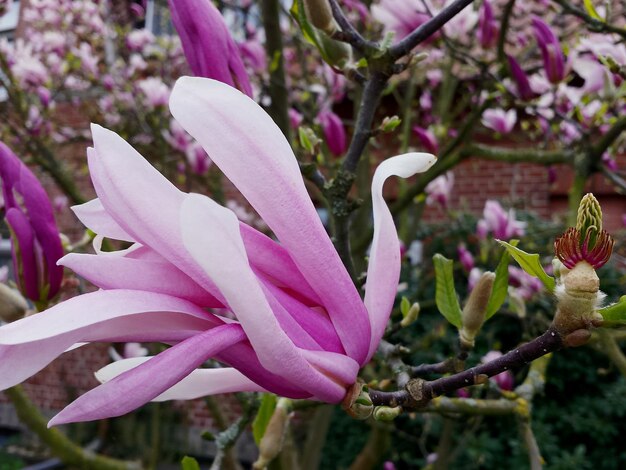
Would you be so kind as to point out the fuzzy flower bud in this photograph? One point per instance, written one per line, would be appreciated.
(411, 315)
(12, 305)
(386, 413)
(272, 442)
(473, 314)
(320, 15)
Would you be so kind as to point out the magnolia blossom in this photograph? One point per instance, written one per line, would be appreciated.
(487, 26)
(526, 286)
(439, 190)
(553, 58)
(426, 138)
(200, 22)
(35, 240)
(400, 17)
(156, 93)
(500, 223)
(504, 380)
(465, 257)
(334, 132)
(499, 120)
(295, 324)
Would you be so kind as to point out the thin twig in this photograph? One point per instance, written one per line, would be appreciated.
(427, 29)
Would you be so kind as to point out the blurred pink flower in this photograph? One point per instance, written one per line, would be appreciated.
(500, 223)
(439, 190)
(504, 380)
(499, 120)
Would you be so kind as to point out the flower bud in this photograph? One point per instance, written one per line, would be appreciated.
(272, 441)
(320, 15)
(387, 413)
(357, 402)
(12, 305)
(411, 315)
(473, 314)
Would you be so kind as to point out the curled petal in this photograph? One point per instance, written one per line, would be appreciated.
(383, 271)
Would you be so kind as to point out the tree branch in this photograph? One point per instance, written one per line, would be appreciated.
(427, 29)
(348, 32)
(593, 24)
(419, 393)
(517, 155)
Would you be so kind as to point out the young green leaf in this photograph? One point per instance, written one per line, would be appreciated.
(189, 463)
(615, 313)
(445, 294)
(591, 10)
(405, 305)
(500, 285)
(263, 416)
(531, 264)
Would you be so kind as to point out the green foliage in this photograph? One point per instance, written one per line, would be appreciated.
(500, 286)
(263, 416)
(446, 298)
(615, 313)
(531, 264)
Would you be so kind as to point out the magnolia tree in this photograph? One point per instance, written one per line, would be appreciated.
(267, 303)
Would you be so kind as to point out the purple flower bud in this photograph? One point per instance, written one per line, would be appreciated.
(465, 257)
(520, 78)
(334, 132)
(427, 139)
(553, 58)
(295, 118)
(36, 244)
(209, 48)
(487, 26)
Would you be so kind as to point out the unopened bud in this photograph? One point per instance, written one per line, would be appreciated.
(589, 219)
(272, 441)
(475, 309)
(411, 315)
(338, 54)
(12, 305)
(320, 15)
(389, 124)
(387, 413)
(357, 401)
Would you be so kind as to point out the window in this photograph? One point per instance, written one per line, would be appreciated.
(8, 21)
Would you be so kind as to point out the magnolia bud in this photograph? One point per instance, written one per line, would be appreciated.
(411, 315)
(475, 309)
(12, 305)
(320, 15)
(357, 401)
(387, 413)
(272, 441)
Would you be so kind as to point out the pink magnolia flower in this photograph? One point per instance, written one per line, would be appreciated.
(155, 92)
(500, 223)
(36, 244)
(296, 325)
(426, 138)
(499, 120)
(200, 22)
(334, 132)
(465, 257)
(400, 17)
(553, 58)
(439, 190)
(487, 26)
(504, 380)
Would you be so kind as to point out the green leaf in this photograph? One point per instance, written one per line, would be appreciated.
(500, 285)
(405, 306)
(308, 30)
(591, 11)
(445, 295)
(531, 264)
(189, 463)
(262, 418)
(615, 313)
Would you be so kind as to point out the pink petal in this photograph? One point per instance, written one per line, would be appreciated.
(147, 381)
(95, 218)
(130, 190)
(383, 271)
(211, 234)
(118, 272)
(28, 345)
(253, 153)
(200, 383)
